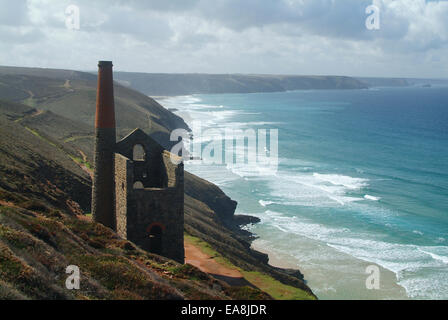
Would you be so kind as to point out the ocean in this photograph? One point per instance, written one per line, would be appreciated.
(362, 181)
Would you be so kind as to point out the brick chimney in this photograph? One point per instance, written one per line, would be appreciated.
(103, 208)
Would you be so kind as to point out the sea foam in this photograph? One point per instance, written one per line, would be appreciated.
(265, 203)
(402, 259)
(341, 180)
(371, 198)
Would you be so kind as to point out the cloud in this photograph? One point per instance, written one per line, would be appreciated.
(239, 15)
(145, 26)
(247, 36)
(164, 6)
(22, 35)
(13, 13)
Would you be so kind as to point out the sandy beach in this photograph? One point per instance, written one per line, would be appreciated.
(339, 270)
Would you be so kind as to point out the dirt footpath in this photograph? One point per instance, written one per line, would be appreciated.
(202, 261)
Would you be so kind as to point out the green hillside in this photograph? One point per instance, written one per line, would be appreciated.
(72, 95)
(37, 245)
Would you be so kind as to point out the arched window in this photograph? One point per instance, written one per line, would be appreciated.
(138, 185)
(139, 153)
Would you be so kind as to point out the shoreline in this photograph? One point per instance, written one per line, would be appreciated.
(320, 277)
(240, 221)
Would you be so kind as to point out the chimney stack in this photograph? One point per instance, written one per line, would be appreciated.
(103, 208)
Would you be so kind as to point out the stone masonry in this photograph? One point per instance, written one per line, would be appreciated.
(149, 197)
(137, 190)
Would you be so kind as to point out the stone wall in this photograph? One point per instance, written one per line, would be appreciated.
(151, 172)
(159, 203)
(123, 183)
(163, 207)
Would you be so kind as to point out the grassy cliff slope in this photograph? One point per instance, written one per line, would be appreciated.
(43, 230)
(72, 94)
(46, 157)
(38, 244)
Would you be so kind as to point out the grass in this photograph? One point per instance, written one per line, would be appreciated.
(37, 134)
(207, 249)
(34, 249)
(73, 139)
(30, 102)
(264, 282)
(11, 267)
(81, 162)
(77, 160)
(276, 289)
(188, 272)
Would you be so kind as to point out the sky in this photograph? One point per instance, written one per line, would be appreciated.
(304, 37)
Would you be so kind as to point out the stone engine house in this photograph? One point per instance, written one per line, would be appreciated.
(149, 196)
(137, 190)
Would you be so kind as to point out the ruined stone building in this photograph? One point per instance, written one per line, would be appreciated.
(137, 190)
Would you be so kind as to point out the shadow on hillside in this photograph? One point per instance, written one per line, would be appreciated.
(233, 281)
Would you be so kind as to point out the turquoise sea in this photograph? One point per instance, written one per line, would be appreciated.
(362, 180)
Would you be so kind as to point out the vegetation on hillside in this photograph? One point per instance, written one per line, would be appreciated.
(261, 280)
(38, 244)
(72, 95)
(46, 158)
